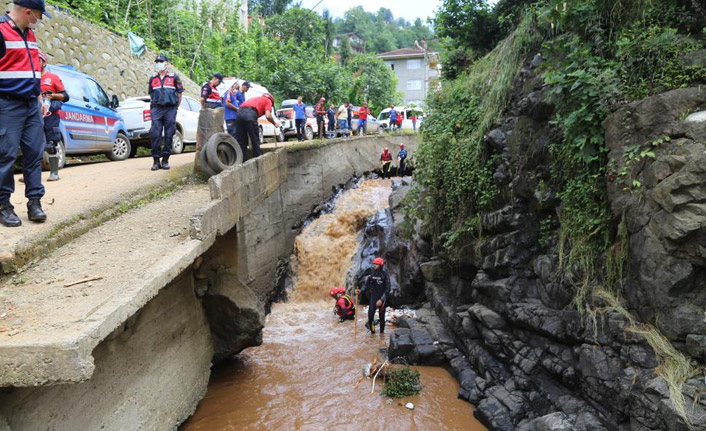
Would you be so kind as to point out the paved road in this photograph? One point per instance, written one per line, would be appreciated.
(81, 189)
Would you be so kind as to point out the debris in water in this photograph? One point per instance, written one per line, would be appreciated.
(409, 406)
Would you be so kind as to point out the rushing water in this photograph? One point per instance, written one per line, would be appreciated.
(307, 373)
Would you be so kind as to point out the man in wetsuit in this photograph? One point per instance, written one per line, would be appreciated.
(378, 283)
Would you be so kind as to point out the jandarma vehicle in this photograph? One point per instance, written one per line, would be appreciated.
(89, 122)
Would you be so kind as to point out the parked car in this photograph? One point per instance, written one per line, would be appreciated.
(138, 118)
(286, 117)
(267, 130)
(406, 112)
(89, 122)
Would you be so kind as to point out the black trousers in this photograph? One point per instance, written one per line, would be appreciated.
(246, 128)
(163, 120)
(371, 313)
(300, 124)
(320, 125)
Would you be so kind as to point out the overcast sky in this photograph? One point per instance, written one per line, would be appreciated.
(407, 9)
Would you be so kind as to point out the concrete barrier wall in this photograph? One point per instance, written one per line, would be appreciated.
(150, 374)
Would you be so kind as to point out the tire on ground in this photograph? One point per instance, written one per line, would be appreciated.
(204, 165)
(223, 152)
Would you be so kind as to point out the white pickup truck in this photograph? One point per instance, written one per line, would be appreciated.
(138, 120)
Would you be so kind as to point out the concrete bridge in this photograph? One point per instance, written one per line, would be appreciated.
(133, 350)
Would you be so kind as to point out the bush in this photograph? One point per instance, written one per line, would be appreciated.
(402, 382)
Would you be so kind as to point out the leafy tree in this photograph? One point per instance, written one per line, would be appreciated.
(267, 7)
(345, 50)
(373, 81)
(469, 29)
(304, 27)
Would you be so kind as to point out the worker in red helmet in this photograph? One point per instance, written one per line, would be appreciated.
(386, 162)
(344, 308)
(246, 127)
(378, 283)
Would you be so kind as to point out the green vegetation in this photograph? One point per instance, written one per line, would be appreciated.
(597, 56)
(402, 382)
(290, 53)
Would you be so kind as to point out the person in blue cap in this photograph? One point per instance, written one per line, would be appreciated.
(165, 90)
(209, 94)
(21, 108)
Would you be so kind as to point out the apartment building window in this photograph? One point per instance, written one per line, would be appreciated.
(414, 84)
(414, 64)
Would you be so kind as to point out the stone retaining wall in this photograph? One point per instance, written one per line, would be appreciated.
(101, 53)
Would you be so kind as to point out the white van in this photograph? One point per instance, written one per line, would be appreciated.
(267, 130)
(406, 112)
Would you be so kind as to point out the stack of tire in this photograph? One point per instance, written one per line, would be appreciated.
(220, 153)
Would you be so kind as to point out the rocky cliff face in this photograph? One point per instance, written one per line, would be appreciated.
(504, 318)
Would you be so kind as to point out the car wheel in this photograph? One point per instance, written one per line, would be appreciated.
(61, 151)
(121, 148)
(309, 132)
(262, 136)
(178, 143)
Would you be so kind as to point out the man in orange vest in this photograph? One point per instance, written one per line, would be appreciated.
(21, 109)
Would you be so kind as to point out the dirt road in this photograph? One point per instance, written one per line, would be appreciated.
(81, 189)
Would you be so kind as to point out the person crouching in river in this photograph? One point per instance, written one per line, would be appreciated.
(378, 282)
(344, 308)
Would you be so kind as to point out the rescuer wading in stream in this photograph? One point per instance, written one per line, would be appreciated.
(378, 283)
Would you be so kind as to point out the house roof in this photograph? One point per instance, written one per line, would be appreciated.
(404, 52)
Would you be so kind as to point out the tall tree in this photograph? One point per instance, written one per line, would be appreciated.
(345, 50)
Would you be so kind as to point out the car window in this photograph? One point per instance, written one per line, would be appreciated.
(74, 86)
(194, 105)
(97, 93)
(384, 116)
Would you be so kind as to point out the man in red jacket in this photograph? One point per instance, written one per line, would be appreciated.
(246, 122)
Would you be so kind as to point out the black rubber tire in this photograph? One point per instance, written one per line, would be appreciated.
(204, 165)
(223, 152)
(121, 148)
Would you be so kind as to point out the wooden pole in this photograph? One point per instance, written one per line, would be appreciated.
(355, 318)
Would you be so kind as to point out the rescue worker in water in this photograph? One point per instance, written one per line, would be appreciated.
(344, 308)
(378, 283)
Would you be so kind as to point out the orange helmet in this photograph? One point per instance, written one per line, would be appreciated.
(271, 97)
(402, 145)
(333, 291)
(378, 261)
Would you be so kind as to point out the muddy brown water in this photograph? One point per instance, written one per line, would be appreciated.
(307, 373)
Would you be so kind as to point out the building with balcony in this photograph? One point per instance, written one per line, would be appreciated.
(417, 71)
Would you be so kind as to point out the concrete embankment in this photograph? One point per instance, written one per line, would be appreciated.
(133, 350)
